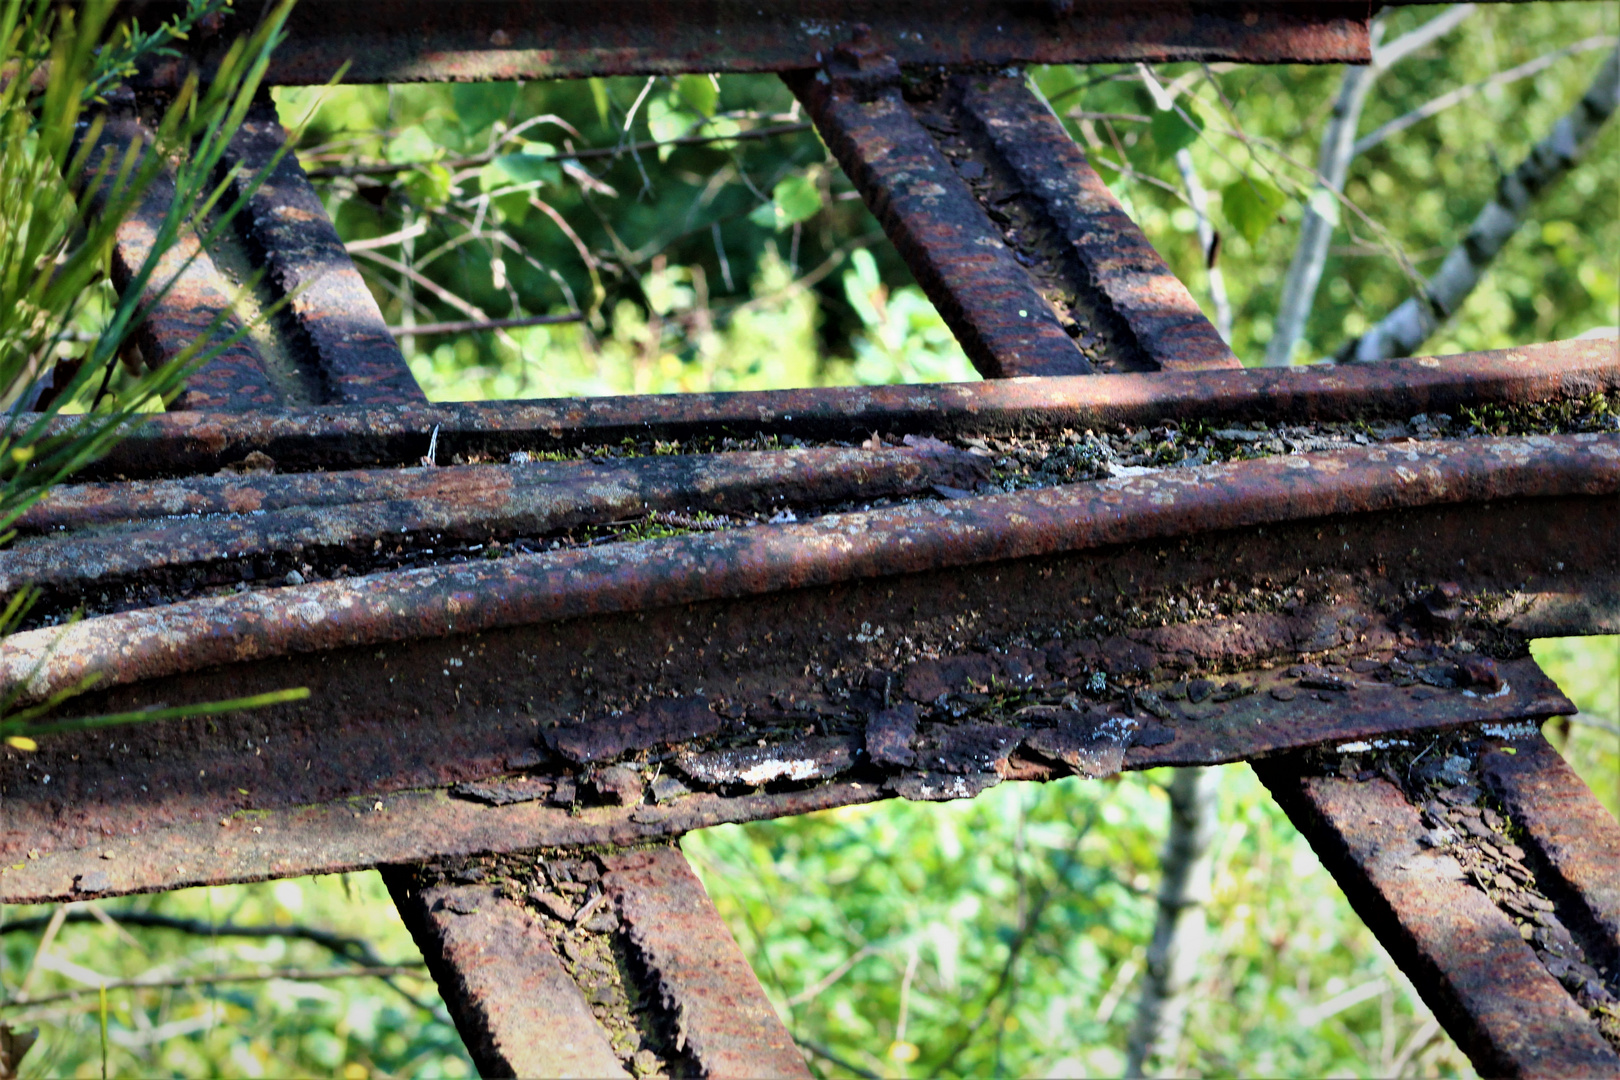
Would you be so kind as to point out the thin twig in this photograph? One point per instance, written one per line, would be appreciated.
(187, 981)
(470, 326)
(586, 154)
(822, 1052)
(1463, 93)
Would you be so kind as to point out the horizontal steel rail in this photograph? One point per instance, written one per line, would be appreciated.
(527, 675)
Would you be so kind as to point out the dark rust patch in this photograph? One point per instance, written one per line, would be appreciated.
(658, 723)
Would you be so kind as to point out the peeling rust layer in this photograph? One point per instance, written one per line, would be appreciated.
(184, 295)
(512, 1002)
(347, 340)
(1469, 961)
(907, 539)
(790, 666)
(1005, 326)
(723, 1019)
(1570, 834)
(337, 438)
(423, 40)
(273, 519)
(1115, 260)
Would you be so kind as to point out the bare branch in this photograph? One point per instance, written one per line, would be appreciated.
(1406, 328)
(184, 981)
(1463, 93)
(1179, 932)
(474, 325)
(1333, 162)
(586, 154)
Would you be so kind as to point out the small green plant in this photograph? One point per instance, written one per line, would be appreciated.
(63, 196)
(61, 203)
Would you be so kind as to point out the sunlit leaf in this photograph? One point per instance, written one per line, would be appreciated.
(793, 199)
(1171, 130)
(1251, 205)
(700, 92)
(412, 144)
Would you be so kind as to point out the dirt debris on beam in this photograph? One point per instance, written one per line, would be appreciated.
(179, 444)
(514, 1003)
(1067, 218)
(1006, 327)
(1435, 867)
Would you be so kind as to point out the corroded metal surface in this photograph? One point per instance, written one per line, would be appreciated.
(1570, 834)
(723, 1019)
(511, 999)
(907, 539)
(414, 40)
(185, 295)
(347, 342)
(353, 437)
(1006, 327)
(1078, 636)
(1431, 892)
(239, 528)
(1104, 250)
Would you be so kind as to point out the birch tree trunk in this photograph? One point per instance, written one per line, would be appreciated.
(1332, 164)
(1406, 328)
(1179, 933)
(1199, 198)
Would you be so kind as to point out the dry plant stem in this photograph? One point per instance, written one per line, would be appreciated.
(1333, 162)
(1405, 329)
(184, 981)
(1179, 934)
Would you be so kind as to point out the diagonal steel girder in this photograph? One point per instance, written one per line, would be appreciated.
(540, 698)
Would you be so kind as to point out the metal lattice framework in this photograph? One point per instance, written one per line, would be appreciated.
(516, 741)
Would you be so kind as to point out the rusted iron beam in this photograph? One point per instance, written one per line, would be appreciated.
(346, 342)
(723, 1019)
(512, 1000)
(565, 965)
(432, 678)
(1428, 862)
(274, 524)
(1571, 838)
(908, 539)
(1111, 268)
(186, 295)
(1004, 324)
(179, 444)
(423, 40)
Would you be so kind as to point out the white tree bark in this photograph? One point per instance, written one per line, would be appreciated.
(1332, 163)
(1403, 330)
(1199, 198)
(1180, 932)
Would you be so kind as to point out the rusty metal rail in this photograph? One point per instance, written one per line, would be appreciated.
(544, 638)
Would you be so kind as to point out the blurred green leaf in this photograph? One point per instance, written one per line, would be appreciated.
(429, 186)
(793, 199)
(1172, 131)
(700, 92)
(1251, 205)
(412, 144)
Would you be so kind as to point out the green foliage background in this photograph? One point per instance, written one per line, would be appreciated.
(751, 264)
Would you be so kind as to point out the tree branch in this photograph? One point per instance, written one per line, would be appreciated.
(1406, 328)
(1333, 162)
(1463, 93)
(1179, 932)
